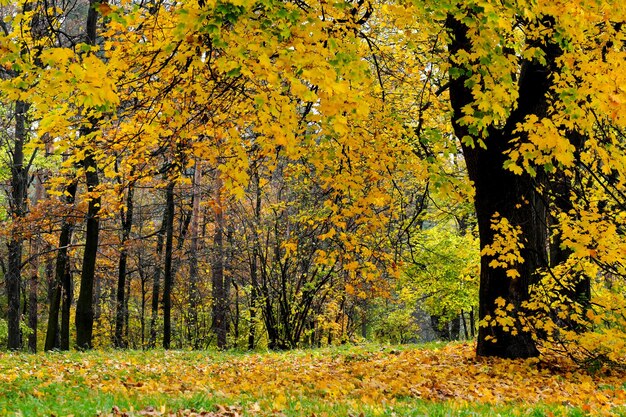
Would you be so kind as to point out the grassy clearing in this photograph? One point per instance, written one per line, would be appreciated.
(434, 380)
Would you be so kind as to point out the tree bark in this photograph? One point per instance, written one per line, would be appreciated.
(156, 281)
(194, 275)
(17, 209)
(498, 190)
(32, 312)
(61, 283)
(254, 261)
(167, 278)
(220, 303)
(84, 304)
(121, 301)
(68, 295)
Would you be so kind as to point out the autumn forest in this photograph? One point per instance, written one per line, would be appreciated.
(285, 174)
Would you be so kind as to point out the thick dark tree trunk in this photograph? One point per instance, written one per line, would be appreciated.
(121, 301)
(511, 196)
(84, 304)
(514, 198)
(167, 278)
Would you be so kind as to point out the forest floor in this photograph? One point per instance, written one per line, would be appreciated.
(434, 380)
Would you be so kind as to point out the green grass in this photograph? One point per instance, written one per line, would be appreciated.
(65, 401)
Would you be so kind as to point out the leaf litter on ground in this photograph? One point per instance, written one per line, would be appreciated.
(380, 377)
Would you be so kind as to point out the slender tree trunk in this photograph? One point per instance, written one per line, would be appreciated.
(67, 299)
(455, 328)
(229, 256)
(55, 305)
(13, 285)
(156, 282)
(237, 313)
(121, 301)
(32, 312)
(17, 209)
(51, 290)
(33, 285)
(126, 333)
(118, 339)
(194, 275)
(254, 264)
(167, 278)
(142, 313)
(464, 324)
(220, 323)
(84, 304)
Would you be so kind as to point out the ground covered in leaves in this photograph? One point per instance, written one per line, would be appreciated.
(370, 380)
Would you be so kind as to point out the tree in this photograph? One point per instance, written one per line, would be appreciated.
(501, 192)
(526, 121)
(84, 304)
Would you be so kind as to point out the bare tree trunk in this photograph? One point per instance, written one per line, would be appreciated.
(17, 209)
(33, 284)
(126, 336)
(254, 264)
(237, 313)
(84, 304)
(220, 323)
(229, 256)
(194, 295)
(68, 297)
(144, 291)
(32, 312)
(156, 281)
(121, 302)
(167, 279)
